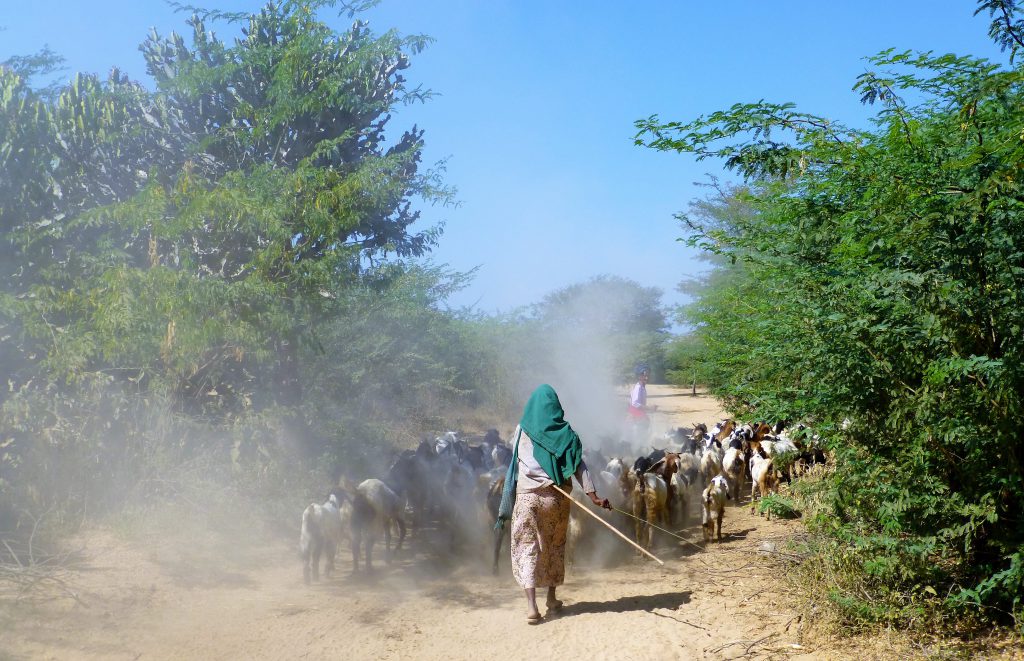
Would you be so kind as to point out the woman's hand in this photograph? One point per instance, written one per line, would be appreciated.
(597, 501)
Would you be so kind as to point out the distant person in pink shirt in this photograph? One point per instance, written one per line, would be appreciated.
(638, 407)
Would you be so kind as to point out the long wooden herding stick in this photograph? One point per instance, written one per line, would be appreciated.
(609, 526)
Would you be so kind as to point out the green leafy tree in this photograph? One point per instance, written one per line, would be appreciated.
(876, 275)
(198, 232)
(183, 253)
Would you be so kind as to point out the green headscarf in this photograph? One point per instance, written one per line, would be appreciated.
(556, 447)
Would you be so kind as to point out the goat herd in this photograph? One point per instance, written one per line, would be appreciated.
(453, 487)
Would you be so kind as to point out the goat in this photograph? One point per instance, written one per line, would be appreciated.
(665, 468)
(460, 505)
(679, 487)
(494, 491)
(732, 468)
(323, 527)
(610, 484)
(650, 500)
(712, 504)
(813, 456)
(710, 465)
(478, 458)
(783, 454)
(374, 507)
(762, 474)
(501, 456)
(725, 429)
(492, 441)
(689, 468)
(680, 441)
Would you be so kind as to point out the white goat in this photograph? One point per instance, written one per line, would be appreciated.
(323, 528)
(616, 467)
(762, 478)
(611, 486)
(712, 506)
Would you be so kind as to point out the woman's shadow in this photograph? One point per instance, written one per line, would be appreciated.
(645, 602)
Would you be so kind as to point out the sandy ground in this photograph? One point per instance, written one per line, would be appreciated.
(204, 598)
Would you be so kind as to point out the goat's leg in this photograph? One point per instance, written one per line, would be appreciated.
(720, 513)
(357, 539)
(499, 536)
(639, 516)
(306, 570)
(401, 532)
(652, 518)
(331, 549)
(317, 548)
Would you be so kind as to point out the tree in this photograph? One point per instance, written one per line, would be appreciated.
(181, 253)
(617, 314)
(879, 272)
(198, 232)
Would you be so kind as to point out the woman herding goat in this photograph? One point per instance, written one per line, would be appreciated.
(547, 453)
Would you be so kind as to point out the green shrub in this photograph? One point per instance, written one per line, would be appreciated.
(778, 506)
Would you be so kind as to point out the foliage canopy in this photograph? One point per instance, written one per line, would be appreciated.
(175, 259)
(876, 275)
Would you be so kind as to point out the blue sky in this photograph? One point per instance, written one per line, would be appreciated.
(536, 102)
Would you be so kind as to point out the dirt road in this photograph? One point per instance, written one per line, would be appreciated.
(192, 594)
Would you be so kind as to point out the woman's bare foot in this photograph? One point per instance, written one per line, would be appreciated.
(533, 615)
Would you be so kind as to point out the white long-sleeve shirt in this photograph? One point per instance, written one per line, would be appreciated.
(532, 476)
(638, 396)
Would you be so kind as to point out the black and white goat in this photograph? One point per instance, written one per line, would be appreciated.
(712, 505)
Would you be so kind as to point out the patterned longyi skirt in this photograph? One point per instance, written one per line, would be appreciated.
(540, 520)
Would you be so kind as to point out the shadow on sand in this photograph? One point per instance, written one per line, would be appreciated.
(645, 602)
(736, 535)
